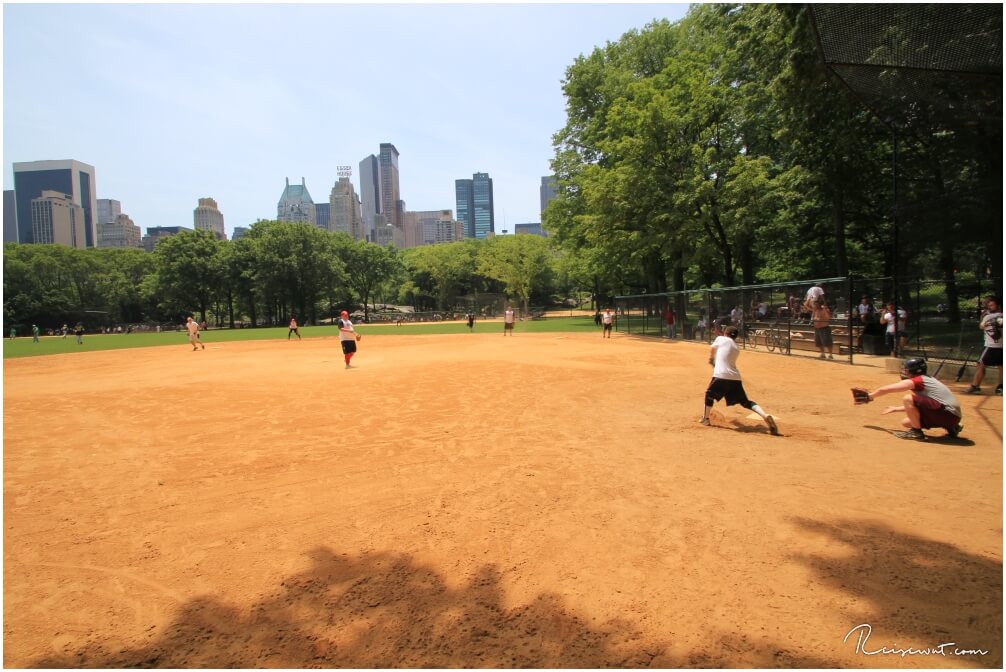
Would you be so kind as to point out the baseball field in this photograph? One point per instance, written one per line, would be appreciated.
(470, 500)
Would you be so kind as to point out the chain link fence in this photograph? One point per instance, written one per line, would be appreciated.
(937, 319)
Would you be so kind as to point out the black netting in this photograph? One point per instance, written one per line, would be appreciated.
(923, 66)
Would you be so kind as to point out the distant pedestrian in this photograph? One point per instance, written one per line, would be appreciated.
(193, 328)
(65, 330)
(78, 331)
(896, 335)
(34, 333)
(508, 320)
(470, 317)
(13, 333)
(293, 329)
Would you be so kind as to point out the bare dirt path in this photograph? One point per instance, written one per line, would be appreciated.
(546, 500)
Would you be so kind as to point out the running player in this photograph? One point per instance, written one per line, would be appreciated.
(347, 337)
(193, 328)
(726, 380)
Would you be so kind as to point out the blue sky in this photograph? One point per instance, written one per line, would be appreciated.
(175, 102)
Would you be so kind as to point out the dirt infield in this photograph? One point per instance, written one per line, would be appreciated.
(545, 500)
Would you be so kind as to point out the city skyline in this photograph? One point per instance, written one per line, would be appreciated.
(172, 103)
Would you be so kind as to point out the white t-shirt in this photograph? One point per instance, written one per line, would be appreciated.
(508, 316)
(193, 328)
(814, 293)
(345, 335)
(902, 320)
(725, 364)
(993, 334)
(606, 317)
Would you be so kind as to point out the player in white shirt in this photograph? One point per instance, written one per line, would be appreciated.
(991, 325)
(193, 328)
(347, 337)
(508, 320)
(726, 380)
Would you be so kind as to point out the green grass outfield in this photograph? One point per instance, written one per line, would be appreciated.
(54, 345)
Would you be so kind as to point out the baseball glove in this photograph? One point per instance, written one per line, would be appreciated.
(860, 396)
(359, 338)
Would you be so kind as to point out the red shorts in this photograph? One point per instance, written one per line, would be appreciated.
(934, 414)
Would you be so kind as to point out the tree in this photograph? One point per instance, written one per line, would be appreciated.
(522, 263)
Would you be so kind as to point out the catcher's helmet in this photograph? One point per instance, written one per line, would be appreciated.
(914, 367)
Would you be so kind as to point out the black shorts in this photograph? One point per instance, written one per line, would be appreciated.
(822, 337)
(992, 357)
(348, 347)
(607, 327)
(733, 390)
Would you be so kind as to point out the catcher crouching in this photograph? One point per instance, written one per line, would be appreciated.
(927, 402)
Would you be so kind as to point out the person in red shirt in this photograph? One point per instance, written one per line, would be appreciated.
(669, 318)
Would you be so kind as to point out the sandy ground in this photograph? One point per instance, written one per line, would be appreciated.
(545, 500)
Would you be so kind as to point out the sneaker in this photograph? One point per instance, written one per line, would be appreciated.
(772, 427)
(821, 356)
(955, 432)
(204, 347)
(831, 356)
(348, 366)
(973, 389)
(911, 434)
(704, 421)
(999, 390)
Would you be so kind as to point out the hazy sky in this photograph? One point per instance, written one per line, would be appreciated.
(175, 102)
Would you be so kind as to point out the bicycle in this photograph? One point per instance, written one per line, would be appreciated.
(776, 339)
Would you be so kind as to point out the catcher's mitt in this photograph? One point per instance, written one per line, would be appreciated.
(861, 396)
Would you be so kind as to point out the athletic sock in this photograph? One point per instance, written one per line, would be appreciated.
(757, 409)
(705, 412)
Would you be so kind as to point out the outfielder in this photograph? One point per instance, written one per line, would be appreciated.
(927, 402)
(347, 337)
(726, 380)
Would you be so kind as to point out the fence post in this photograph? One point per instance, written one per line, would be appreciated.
(852, 323)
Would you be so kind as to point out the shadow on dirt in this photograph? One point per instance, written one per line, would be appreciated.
(937, 436)
(926, 591)
(386, 611)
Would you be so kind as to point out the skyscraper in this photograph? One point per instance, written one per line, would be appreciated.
(546, 192)
(9, 217)
(108, 210)
(207, 217)
(370, 195)
(55, 218)
(465, 200)
(390, 191)
(346, 209)
(121, 232)
(474, 200)
(69, 177)
(295, 205)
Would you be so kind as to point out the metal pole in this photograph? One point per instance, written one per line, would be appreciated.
(894, 220)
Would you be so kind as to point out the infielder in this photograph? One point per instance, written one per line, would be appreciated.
(193, 328)
(927, 402)
(726, 380)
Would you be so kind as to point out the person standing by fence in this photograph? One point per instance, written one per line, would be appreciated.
(895, 335)
(821, 315)
(607, 320)
(991, 325)
(669, 318)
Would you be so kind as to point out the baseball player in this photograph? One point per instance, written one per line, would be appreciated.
(347, 337)
(193, 328)
(927, 402)
(991, 325)
(726, 380)
(294, 329)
